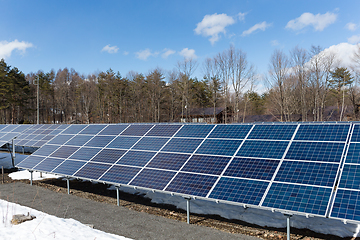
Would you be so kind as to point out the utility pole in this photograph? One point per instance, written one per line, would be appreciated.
(37, 101)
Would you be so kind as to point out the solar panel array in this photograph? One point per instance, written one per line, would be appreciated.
(291, 167)
(29, 135)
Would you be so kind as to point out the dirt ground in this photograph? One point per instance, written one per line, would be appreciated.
(100, 193)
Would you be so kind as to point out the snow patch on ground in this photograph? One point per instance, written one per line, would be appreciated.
(25, 174)
(45, 226)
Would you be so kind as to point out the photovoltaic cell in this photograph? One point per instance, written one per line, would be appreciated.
(137, 130)
(108, 156)
(74, 129)
(182, 145)
(316, 151)
(69, 167)
(312, 173)
(92, 129)
(324, 132)
(45, 150)
(48, 164)
(219, 147)
(30, 162)
(196, 131)
(346, 205)
(192, 184)
(123, 142)
(154, 179)
(85, 153)
(92, 170)
(120, 174)
(355, 137)
(239, 190)
(99, 141)
(206, 164)
(78, 140)
(263, 149)
(150, 143)
(274, 132)
(64, 152)
(350, 177)
(136, 158)
(262, 169)
(230, 131)
(300, 198)
(163, 130)
(170, 161)
(353, 155)
(113, 129)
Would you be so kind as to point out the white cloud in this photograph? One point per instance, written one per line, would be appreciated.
(215, 24)
(188, 53)
(351, 26)
(6, 48)
(262, 26)
(344, 53)
(109, 49)
(241, 16)
(126, 53)
(354, 39)
(318, 21)
(167, 52)
(144, 54)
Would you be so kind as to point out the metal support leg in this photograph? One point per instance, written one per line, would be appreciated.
(288, 216)
(188, 209)
(68, 185)
(117, 195)
(31, 177)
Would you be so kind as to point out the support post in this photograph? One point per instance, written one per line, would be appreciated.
(2, 173)
(68, 185)
(117, 195)
(31, 178)
(23, 149)
(187, 209)
(288, 216)
(13, 152)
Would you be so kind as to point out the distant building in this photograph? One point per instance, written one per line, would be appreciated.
(203, 115)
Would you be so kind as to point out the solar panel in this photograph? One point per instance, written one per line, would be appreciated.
(286, 167)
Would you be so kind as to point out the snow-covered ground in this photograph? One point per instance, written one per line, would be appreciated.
(250, 215)
(45, 226)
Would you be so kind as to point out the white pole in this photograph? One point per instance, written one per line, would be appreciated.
(37, 101)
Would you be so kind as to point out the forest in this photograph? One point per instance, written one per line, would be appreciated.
(301, 85)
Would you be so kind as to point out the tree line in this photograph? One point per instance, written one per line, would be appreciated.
(301, 85)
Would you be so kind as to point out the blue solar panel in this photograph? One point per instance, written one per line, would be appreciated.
(123, 142)
(92, 170)
(316, 151)
(353, 155)
(78, 140)
(136, 158)
(323, 132)
(46, 150)
(69, 167)
(30, 162)
(313, 173)
(170, 161)
(252, 168)
(192, 184)
(300, 198)
(150, 143)
(196, 131)
(230, 131)
(113, 130)
(182, 145)
(274, 132)
(120, 174)
(163, 130)
(92, 129)
(108, 155)
(48, 164)
(74, 129)
(154, 179)
(206, 164)
(346, 205)
(355, 137)
(350, 177)
(64, 152)
(239, 190)
(137, 130)
(263, 149)
(99, 141)
(219, 147)
(85, 153)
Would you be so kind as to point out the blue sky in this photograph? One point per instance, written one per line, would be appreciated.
(93, 36)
